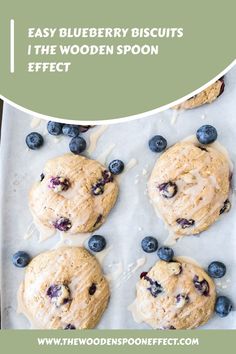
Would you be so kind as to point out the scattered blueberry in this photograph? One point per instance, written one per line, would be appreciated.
(149, 244)
(157, 143)
(58, 184)
(34, 141)
(71, 130)
(185, 223)
(116, 167)
(92, 289)
(62, 224)
(97, 243)
(20, 259)
(54, 128)
(223, 306)
(226, 207)
(77, 145)
(165, 254)
(168, 190)
(207, 134)
(70, 326)
(202, 286)
(216, 269)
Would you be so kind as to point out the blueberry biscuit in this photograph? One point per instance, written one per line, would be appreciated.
(174, 295)
(75, 194)
(189, 187)
(64, 289)
(208, 95)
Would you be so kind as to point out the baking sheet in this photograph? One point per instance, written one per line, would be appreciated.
(131, 219)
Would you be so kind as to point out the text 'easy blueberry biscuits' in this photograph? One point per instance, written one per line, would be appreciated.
(64, 289)
(189, 187)
(174, 295)
(75, 194)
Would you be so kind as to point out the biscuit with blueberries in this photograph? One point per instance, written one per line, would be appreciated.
(189, 187)
(174, 295)
(64, 289)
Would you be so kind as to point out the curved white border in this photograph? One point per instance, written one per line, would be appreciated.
(122, 119)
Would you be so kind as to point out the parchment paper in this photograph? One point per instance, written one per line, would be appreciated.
(132, 218)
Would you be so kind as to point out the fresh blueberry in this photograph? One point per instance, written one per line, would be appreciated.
(202, 286)
(97, 243)
(62, 224)
(77, 145)
(20, 259)
(157, 143)
(223, 306)
(54, 128)
(207, 134)
(92, 289)
(34, 141)
(70, 326)
(168, 190)
(216, 269)
(149, 244)
(165, 254)
(116, 167)
(71, 130)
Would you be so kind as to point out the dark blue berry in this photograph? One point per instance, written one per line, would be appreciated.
(168, 190)
(149, 244)
(165, 254)
(207, 134)
(58, 184)
(77, 145)
(54, 291)
(116, 167)
(62, 224)
(201, 286)
(97, 243)
(70, 326)
(216, 269)
(20, 259)
(223, 306)
(34, 141)
(157, 143)
(54, 128)
(155, 288)
(71, 130)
